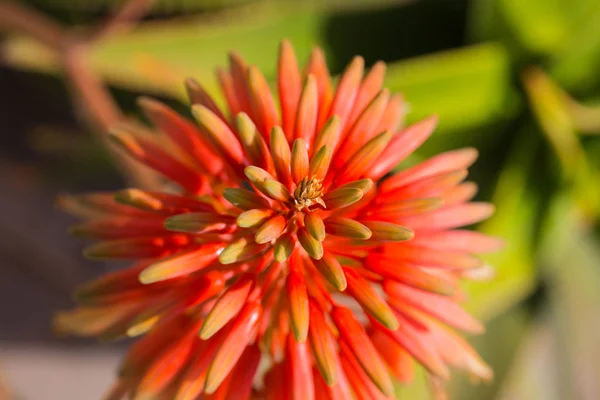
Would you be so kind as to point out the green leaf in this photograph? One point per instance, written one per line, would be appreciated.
(466, 88)
(570, 252)
(158, 56)
(515, 222)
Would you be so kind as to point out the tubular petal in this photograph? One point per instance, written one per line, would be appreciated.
(299, 361)
(289, 85)
(261, 100)
(220, 134)
(347, 90)
(253, 218)
(280, 150)
(245, 199)
(440, 307)
(363, 130)
(299, 160)
(240, 250)
(322, 344)
(308, 109)
(357, 340)
(388, 232)
(317, 67)
(442, 163)
(449, 217)
(253, 143)
(227, 307)
(166, 367)
(242, 330)
(313, 247)
(198, 95)
(402, 145)
(298, 299)
(359, 163)
(319, 165)
(315, 226)
(183, 134)
(271, 230)
(369, 299)
(283, 248)
(153, 156)
(359, 380)
(348, 228)
(342, 197)
(331, 270)
(181, 264)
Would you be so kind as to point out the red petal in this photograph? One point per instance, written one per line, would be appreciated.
(369, 88)
(220, 135)
(322, 344)
(441, 307)
(226, 82)
(254, 145)
(331, 270)
(442, 163)
(289, 85)
(449, 217)
(393, 115)
(261, 100)
(308, 110)
(415, 342)
(402, 145)
(242, 376)
(460, 194)
(227, 306)
(360, 382)
(298, 300)
(430, 187)
(242, 331)
(276, 384)
(363, 130)
(192, 381)
(347, 91)
(167, 366)
(120, 227)
(359, 343)
(239, 74)
(143, 351)
(271, 230)
(359, 164)
(393, 211)
(369, 299)
(198, 95)
(299, 362)
(153, 156)
(181, 264)
(409, 275)
(424, 256)
(280, 150)
(183, 133)
(459, 241)
(138, 248)
(299, 160)
(399, 361)
(317, 67)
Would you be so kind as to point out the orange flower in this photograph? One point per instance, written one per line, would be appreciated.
(287, 244)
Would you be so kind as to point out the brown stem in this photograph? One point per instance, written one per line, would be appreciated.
(91, 95)
(15, 16)
(124, 19)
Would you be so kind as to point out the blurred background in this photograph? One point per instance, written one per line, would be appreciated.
(519, 80)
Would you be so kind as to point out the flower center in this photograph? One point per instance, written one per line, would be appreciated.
(308, 192)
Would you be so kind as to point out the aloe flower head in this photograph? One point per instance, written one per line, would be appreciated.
(283, 260)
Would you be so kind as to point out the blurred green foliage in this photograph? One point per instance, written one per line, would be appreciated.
(466, 61)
